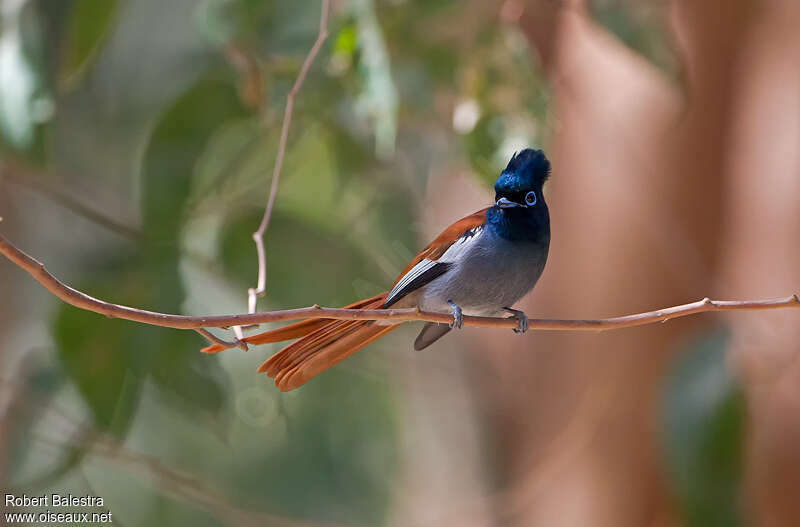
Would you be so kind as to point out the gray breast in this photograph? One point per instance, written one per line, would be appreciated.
(488, 274)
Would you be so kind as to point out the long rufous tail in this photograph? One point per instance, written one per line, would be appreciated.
(324, 343)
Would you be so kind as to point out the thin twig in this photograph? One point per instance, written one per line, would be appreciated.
(24, 177)
(84, 301)
(258, 235)
(237, 343)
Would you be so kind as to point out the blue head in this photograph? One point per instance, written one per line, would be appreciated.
(520, 184)
(520, 212)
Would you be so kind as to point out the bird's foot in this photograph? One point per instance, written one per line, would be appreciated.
(522, 318)
(458, 316)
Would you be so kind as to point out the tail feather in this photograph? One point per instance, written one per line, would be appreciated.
(293, 355)
(292, 331)
(299, 329)
(322, 343)
(321, 349)
(288, 356)
(324, 358)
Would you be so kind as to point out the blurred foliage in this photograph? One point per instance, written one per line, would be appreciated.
(89, 22)
(100, 363)
(338, 460)
(379, 97)
(121, 356)
(490, 66)
(704, 419)
(201, 153)
(174, 108)
(24, 100)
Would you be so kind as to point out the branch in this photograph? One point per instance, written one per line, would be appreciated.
(84, 301)
(258, 235)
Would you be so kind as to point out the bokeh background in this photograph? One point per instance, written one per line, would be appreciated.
(137, 139)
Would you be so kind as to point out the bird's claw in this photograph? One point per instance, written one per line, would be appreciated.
(458, 316)
(522, 318)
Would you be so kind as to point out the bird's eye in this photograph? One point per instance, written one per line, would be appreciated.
(530, 198)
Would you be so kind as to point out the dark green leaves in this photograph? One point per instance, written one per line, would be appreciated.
(175, 147)
(104, 363)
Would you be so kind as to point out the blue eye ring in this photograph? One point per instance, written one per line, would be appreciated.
(530, 198)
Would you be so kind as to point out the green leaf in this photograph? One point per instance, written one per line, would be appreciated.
(283, 28)
(176, 145)
(90, 22)
(196, 383)
(346, 41)
(99, 354)
(379, 95)
(704, 420)
(237, 166)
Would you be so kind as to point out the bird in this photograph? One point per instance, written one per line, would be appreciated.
(480, 265)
